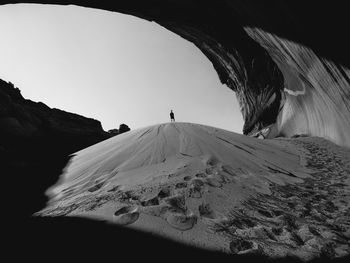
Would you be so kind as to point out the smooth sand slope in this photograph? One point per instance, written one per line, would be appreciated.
(211, 188)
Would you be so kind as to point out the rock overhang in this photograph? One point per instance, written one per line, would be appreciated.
(258, 49)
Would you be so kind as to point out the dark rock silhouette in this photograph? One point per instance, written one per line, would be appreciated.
(36, 141)
(24, 121)
(113, 132)
(123, 128)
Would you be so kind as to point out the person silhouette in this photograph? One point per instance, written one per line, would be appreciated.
(172, 118)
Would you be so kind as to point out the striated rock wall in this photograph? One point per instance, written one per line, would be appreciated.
(266, 51)
(316, 91)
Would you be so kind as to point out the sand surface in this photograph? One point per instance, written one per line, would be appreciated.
(215, 189)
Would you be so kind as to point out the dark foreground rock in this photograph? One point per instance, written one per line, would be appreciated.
(25, 121)
(34, 137)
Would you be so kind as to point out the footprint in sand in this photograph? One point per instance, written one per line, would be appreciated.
(224, 179)
(181, 185)
(176, 203)
(96, 187)
(129, 196)
(150, 202)
(206, 211)
(161, 206)
(165, 192)
(212, 181)
(209, 170)
(201, 175)
(174, 211)
(155, 210)
(211, 160)
(182, 221)
(180, 188)
(239, 245)
(196, 188)
(187, 178)
(177, 214)
(126, 215)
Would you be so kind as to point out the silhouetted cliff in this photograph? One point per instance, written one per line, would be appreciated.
(22, 119)
(34, 137)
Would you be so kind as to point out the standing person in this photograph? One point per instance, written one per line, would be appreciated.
(172, 118)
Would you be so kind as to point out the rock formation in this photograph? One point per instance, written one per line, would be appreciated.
(113, 132)
(123, 128)
(35, 142)
(22, 119)
(286, 60)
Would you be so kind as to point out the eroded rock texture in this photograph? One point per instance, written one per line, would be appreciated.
(286, 60)
(316, 91)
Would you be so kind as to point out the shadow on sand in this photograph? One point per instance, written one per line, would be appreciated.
(24, 181)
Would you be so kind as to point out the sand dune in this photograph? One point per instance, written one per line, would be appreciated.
(210, 188)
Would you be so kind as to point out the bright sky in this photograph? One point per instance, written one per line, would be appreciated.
(111, 67)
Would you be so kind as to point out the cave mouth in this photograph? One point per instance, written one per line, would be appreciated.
(112, 67)
(289, 72)
(285, 85)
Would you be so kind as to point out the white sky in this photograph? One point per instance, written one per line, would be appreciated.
(111, 67)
